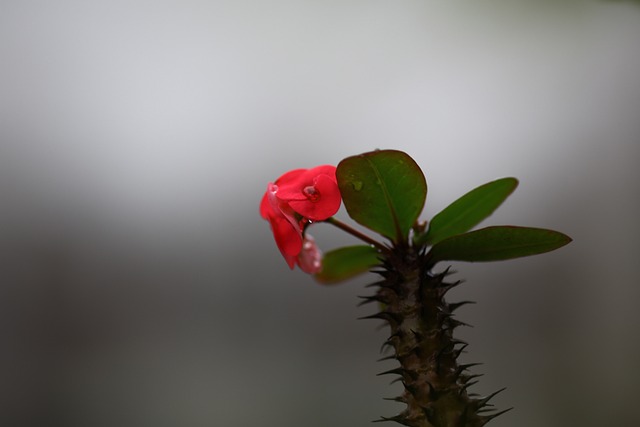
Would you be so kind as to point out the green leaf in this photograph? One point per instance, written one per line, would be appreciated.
(468, 211)
(497, 243)
(383, 190)
(344, 263)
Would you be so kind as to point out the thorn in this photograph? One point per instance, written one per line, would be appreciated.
(442, 317)
(413, 350)
(385, 274)
(487, 418)
(446, 287)
(383, 284)
(438, 356)
(463, 368)
(466, 366)
(397, 380)
(482, 402)
(398, 419)
(385, 345)
(399, 399)
(411, 389)
(383, 315)
(466, 378)
(469, 384)
(395, 371)
(368, 300)
(392, 338)
(378, 283)
(454, 306)
(425, 273)
(441, 334)
(457, 353)
(447, 271)
(453, 323)
(390, 342)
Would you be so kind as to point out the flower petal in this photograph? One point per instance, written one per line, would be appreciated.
(327, 203)
(292, 187)
(324, 170)
(265, 206)
(287, 221)
(288, 239)
(290, 176)
(310, 258)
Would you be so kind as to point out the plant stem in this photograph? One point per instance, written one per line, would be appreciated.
(421, 337)
(344, 227)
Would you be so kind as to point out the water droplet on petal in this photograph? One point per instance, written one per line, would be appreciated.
(311, 193)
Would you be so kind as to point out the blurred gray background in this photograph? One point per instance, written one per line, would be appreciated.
(139, 287)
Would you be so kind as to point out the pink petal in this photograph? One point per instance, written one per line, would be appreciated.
(310, 258)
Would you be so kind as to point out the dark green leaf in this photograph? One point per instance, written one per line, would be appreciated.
(469, 210)
(344, 263)
(383, 190)
(497, 243)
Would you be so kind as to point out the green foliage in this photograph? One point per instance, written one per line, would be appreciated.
(383, 190)
(468, 211)
(497, 243)
(344, 263)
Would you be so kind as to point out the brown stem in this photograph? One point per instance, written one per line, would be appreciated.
(344, 227)
(421, 337)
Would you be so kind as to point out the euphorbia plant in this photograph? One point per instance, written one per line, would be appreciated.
(385, 191)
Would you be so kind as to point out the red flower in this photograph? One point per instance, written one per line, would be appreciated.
(292, 202)
(312, 193)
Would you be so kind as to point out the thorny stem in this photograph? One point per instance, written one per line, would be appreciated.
(344, 227)
(411, 300)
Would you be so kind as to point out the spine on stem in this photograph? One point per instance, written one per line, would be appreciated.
(422, 340)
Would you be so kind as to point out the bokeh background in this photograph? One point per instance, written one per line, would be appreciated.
(139, 287)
